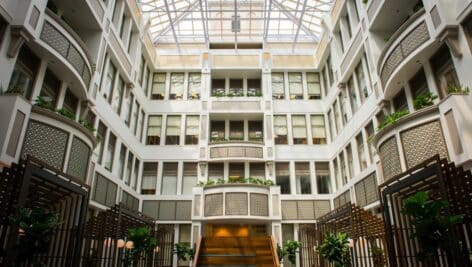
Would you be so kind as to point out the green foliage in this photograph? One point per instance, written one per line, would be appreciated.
(289, 249)
(87, 125)
(142, 239)
(15, 90)
(250, 180)
(335, 249)
(365, 1)
(378, 256)
(418, 6)
(43, 103)
(66, 113)
(36, 227)
(454, 88)
(431, 225)
(392, 118)
(424, 100)
(183, 251)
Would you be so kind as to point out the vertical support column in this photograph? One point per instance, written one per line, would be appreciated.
(36, 90)
(61, 96)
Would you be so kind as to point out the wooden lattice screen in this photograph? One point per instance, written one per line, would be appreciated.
(442, 180)
(101, 246)
(363, 228)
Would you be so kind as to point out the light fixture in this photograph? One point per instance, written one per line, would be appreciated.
(351, 242)
(129, 244)
(108, 242)
(236, 23)
(157, 249)
(120, 243)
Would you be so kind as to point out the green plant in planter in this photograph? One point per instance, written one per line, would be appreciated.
(183, 251)
(87, 125)
(15, 90)
(392, 118)
(378, 256)
(418, 6)
(43, 103)
(143, 242)
(66, 113)
(431, 225)
(365, 1)
(335, 249)
(454, 88)
(424, 100)
(289, 249)
(36, 228)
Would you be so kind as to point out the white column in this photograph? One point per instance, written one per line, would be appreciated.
(38, 83)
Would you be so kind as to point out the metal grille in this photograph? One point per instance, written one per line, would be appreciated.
(366, 190)
(322, 207)
(423, 142)
(236, 105)
(78, 159)
(342, 199)
(236, 204)
(150, 208)
(259, 204)
(45, 143)
(183, 211)
(390, 158)
(214, 204)
(236, 152)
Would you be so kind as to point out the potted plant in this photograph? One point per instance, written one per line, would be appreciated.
(142, 241)
(335, 249)
(43, 103)
(431, 226)
(66, 113)
(289, 249)
(15, 90)
(36, 228)
(457, 89)
(424, 100)
(378, 256)
(183, 251)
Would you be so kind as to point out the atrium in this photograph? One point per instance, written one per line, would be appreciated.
(253, 133)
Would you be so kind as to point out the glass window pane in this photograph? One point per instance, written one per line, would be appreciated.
(323, 180)
(154, 130)
(149, 178)
(215, 171)
(173, 130)
(158, 86)
(176, 86)
(318, 130)
(282, 177)
(169, 179)
(295, 85)
(192, 130)
(190, 177)
(278, 85)
(194, 85)
(299, 129)
(257, 170)
(280, 129)
(302, 178)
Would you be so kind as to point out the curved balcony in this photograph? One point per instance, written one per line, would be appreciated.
(230, 150)
(58, 141)
(236, 104)
(403, 46)
(236, 201)
(410, 140)
(67, 46)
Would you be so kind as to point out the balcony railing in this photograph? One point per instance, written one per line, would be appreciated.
(236, 149)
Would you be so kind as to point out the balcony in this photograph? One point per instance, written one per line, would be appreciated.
(68, 47)
(236, 201)
(58, 141)
(243, 150)
(411, 38)
(410, 140)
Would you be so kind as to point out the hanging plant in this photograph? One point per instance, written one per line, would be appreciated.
(335, 249)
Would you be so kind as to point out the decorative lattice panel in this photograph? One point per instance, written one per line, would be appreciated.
(167, 210)
(342, 199)
(183, 210)
(366, 190)
(322, 207)
(236, 152)
(306, 210)
(423, 142)
(214, 204)
(55, 39)
(45, 143)
(236, 204)
(150, 208)
(289, 210)
(78, 159)
(259, 204)
(390, 158)
(236, 105)
(197, 205)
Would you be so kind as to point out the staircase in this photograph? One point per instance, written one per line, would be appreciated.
(236, 252)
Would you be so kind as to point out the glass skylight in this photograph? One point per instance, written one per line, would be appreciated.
(235, 21)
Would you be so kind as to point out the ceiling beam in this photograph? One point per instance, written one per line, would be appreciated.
(299, 24)
(172, 26)
(266, 22)
(177, 20)
(294, 19)
(204, 24)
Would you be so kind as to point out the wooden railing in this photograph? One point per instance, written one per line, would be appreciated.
(197, 251)
(273, 247)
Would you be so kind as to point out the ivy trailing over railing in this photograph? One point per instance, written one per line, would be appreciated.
(249, 180)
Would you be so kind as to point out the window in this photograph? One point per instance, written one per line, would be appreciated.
(302, 178)
(173, 130)
(3, 28)
(418, 84)
(154, 130)
(134, 119)
(343, 168)
(191, 130)
(330, 71)
(325, 79)
(370, 132)
(149, 178)
(158, 86)
(236, 171)
(169, 178)
(299, 129)
(313, 85)
(118, 96)
(215, 171)
(190, 177)
(122, 27)
(101, 132)
(139, 133)
(331, 124)
(280, 129)
(254, 87)
(217, 131)
(194, 85)
(343, 104)
(71, 102)
(257, 170)
(121, 161)
(353, 95)
(399, 101)
(142, 65)
(350, 161)
(129, 168)
(362, 81)
(236, 130)
(339, 38)
(50, 89)
(24, 72)
(134, 177)
(337, 116)
(104, 191)
(337, 174)
(110, 153)
(128, 109)
(236, 87)
(145, 84)
(108, 83)
(282, 177)
(444, 70)
(176, 86)
(218, 87)
(278, 91)
(323, 180)
(361, 151)
(318, 130)
(255, 131)
(295, 85)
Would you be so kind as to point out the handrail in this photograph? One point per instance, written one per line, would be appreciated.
(273, 247)
(197, 251)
